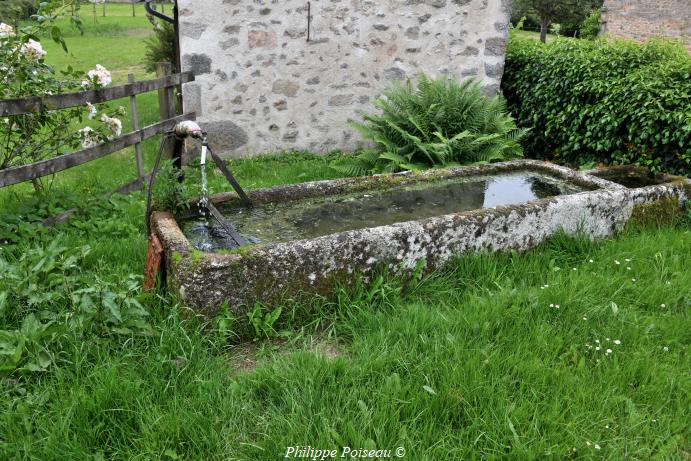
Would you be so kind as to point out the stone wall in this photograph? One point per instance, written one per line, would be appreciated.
(643, 19)
(263, 87)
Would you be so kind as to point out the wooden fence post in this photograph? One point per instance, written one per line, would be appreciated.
(166, 106)
(134, 11)
(135, 126)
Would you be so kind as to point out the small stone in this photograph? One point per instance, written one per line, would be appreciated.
(495, 46)
(198, 63)
(285, 87)
(229, 43)
(262, 39)
(412, 32)
(494, 70)
(193, 30)
(341, 100)
(394, 73)
(234, 29)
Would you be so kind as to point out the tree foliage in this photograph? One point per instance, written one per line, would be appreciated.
(569, 13)
(161, 46)
(590, 29)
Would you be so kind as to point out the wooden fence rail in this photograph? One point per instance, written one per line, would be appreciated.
(63, 101)
(164, 84)
(47, 167)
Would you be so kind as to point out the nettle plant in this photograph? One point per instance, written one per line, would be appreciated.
(24, 73)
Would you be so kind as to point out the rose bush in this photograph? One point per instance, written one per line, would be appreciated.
(24, 73)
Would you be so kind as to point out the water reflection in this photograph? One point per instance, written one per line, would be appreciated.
(330, 214)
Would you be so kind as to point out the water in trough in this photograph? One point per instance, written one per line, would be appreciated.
(314, 217)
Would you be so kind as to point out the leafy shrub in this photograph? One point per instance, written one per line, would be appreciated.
(13, 11)
(590, 28)
(45, 298)
(436, 123)
(24, 73)
(161, 46)
(169, 194)
(600, 101)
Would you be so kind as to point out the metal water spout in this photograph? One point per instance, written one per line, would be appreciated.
(190, 129)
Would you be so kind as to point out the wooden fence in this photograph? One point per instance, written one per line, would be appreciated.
(164, 83)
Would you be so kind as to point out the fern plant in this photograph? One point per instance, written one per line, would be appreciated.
(439, 122)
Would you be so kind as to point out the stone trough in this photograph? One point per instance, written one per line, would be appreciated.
(288, 267)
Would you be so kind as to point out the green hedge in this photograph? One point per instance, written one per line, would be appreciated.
(603, 101)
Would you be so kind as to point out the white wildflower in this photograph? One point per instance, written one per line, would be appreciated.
(113, 124)
(33, 50)
(666, 349)
(609, 351)
(616, 262)
(89, 137)
(633, 280)
(663, 305)
(100, 74)
(597, 348)
(6, 30)
(617, 342)
(585, 318)
(591, 261)
(596, 446)
(92, 110)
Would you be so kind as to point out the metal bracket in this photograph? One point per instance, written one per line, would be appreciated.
(309, 20)
(152, 12)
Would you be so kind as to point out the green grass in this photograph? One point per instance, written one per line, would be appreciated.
(534, 35)
(471, 362)
(116, 41)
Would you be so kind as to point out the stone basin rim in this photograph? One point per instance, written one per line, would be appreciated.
(286, 192)
(177, 240)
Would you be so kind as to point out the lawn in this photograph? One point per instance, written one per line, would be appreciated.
(575, 350)
(495, 356)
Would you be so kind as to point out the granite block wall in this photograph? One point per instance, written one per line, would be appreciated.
(263, 87)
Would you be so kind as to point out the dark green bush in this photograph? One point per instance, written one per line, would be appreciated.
(13, 11)
(602, 101)
(590, 28)
(161, 46)
(435, 123)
